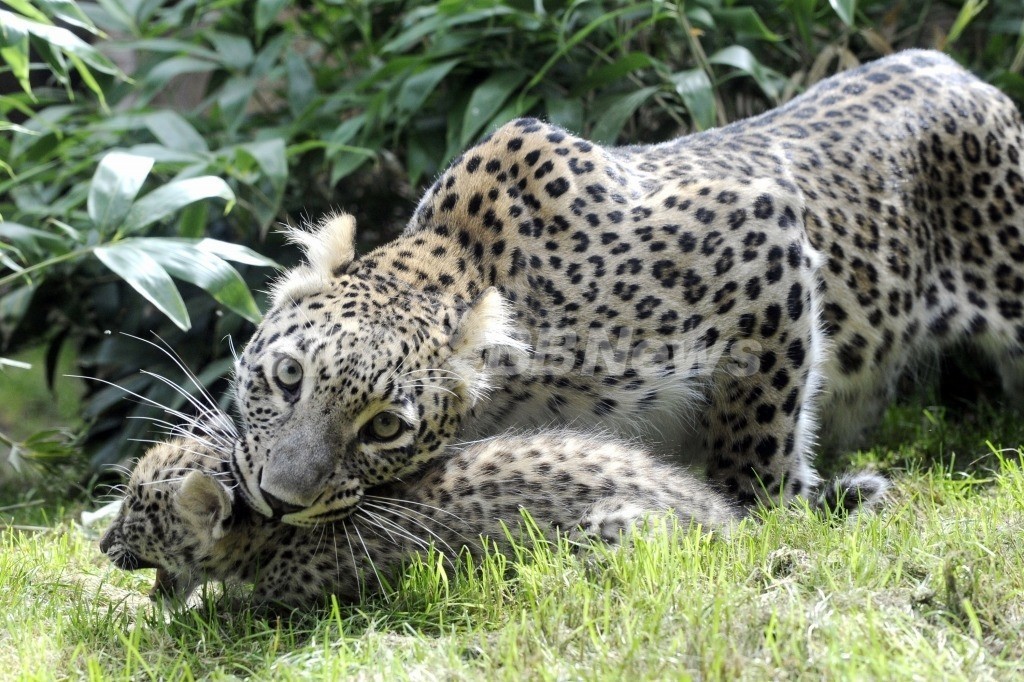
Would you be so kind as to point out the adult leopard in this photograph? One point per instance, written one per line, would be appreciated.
(736, 296)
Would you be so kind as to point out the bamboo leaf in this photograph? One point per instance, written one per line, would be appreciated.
(610, 123)
(207, 271)
(694, 88)
(144, 274)
(165, 201)
(487, 100)
(115, 184)
(845, 9)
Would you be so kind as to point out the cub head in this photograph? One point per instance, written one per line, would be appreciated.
(173, 514)
(355, 377)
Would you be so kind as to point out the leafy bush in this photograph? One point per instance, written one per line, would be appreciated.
(290, 109)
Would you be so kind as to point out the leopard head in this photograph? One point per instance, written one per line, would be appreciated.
(354, 378)
(174, 512)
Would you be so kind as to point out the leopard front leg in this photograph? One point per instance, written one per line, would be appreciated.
(759, 427)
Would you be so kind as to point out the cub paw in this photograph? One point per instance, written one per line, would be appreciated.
(609, 522)
(852, 492)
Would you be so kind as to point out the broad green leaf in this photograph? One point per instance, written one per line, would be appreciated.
(346, 131)
(174, 132)
(146, 276)
(413, 34)
(64, 10)
(576, 38)
(702, 18)
(161, 154)
(172, 46)
(695, 89)
(301, 82)
(14, 53)
(565, 111)
(235, 253)
(845, 9)
(61, 38)
(736, 56)
(272, 159)
(419, 86)
(114, 186)
(29, 10)
(486, 100)
(233, 98)
(31, 239)
(235, 51)
(271, 55)
(421, 152)
(202, 268)
(194, 220)
(164, 201)
(746, 22)
(266, 12)
(616, 111)
(609, 74)
(176, 66)
(118, 17)
(89, 79)
(13, 306)
(516, 107)
(347, 162)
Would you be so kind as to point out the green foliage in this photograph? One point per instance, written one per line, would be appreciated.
(130, 126)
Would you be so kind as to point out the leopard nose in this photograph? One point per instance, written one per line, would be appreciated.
(279, 506)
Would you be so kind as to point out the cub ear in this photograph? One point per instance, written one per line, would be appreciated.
(483, 329)
(205, 502)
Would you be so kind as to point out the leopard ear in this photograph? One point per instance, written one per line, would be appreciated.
(481, 333)
(328, 248)
(205, 502)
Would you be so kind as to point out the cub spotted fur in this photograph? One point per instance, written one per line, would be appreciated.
(181, 514)
(734, 296)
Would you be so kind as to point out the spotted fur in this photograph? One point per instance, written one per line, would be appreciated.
(737, 297)
(181, 515)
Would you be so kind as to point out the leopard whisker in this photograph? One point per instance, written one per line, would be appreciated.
(212, 441)
(369, 558)
(434, 387)
(143, 399)
(177, 360)
(398, 510)
(431, 507)
(387, 526)
(352, 555)
(200, 406)
(197, 453)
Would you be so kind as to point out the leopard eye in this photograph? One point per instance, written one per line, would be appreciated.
(287, 373)
(384, 427)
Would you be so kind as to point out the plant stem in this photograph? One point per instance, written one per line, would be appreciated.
(7, 279)
(702, 61)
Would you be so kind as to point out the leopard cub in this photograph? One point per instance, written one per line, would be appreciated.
(181, 513)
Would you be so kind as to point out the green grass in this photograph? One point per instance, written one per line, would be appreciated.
(27, 406)
(932, 587)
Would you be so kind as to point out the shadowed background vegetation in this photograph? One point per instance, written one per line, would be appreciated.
(130, 126)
